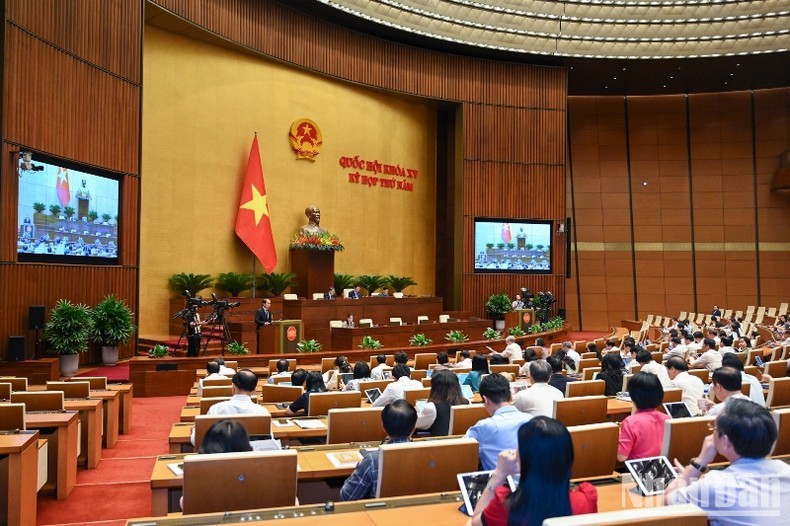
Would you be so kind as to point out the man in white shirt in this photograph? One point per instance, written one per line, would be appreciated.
(394, 391)
(726, 345)
(377, 373)
(726, 384)
(610, 346)
(571, 353)
(538, 399)
(692, 387)
(512, 350)
(212, 368)
(675, 349)
(465, 360)
(755, 389)
(710, 358)
(645, 359)
(696, 345)
(225, 371)
(282, 370)
(245, 382)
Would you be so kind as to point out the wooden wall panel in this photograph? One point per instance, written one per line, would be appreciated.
(100, 32)
(707, 160)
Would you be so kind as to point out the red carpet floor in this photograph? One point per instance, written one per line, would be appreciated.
(119, 488)
(115, 373)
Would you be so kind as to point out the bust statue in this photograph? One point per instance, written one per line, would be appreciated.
(313, 222)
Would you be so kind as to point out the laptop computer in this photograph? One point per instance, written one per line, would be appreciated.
(373, 394)
(462, 377)
(346, 377)
(652, 475)
(677, 410)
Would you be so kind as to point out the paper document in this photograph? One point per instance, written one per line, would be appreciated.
(310, 424)
(344, 459)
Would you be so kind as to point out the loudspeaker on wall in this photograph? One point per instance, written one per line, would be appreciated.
(16, 348)
(36, 317)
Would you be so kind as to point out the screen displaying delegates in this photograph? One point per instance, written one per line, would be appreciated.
(65, 214)
(512, 245)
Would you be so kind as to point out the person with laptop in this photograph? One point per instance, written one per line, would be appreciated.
(538, 399)
(727, 383)
(544, 458)
(753, 489)
(361, 374)
(314, 383)
(394, 391)
(500, 431)
(642, 433)
(445, 393)
(378, 371)
(399, 419)
(282, 370)
(479, 368)
(692, 387)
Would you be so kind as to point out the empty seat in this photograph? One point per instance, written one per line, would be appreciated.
(595, 449)
(580, 410)
(288, 297)
(355, 424)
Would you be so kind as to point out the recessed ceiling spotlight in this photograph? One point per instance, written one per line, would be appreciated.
(671, 77)
(614, 78)
(665, 85)
(624, 69)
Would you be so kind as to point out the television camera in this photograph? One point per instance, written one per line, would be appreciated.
(191, 305)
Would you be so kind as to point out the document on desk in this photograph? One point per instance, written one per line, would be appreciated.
(344, 459)
(310, 424)
(266, 445)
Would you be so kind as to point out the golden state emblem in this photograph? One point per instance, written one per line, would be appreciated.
(306, 139)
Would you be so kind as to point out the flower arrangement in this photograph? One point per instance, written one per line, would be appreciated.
(322, 242)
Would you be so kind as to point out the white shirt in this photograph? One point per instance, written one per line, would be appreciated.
(513, 352)
(716, 409)
(427, 416)
(226, 371)
(277, 375)
(576, 357)
(378, 372)
(659, 370)
(239, 404)
(755, 391)
(693, 390)
(538, 400)
(212, 376)
(394, 391)
(465, 363)
(710, 359)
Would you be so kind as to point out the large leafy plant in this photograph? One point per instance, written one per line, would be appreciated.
(234, 283)
(371, 283)
(278, 282)
(193, 283)
(308, 346)
(491, 334)
(342, 282)
(498, 305)
(112, 322)
(235, 347)
(369, 342)
(69, 328)
(456, 337)
(398, 283)
(420, 340)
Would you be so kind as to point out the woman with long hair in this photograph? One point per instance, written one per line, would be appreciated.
(314, 383)
(612, 371)
(225, 436)
(445, 393)
(479, 368)
(544, 460)
(361, 373)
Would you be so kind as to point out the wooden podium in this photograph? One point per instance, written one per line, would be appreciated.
(280, 337)
(523, 318)
(314, 269)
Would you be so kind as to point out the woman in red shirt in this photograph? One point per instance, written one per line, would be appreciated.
(544, 459)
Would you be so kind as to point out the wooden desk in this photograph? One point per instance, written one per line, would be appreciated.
(112, 411)
(60, 429)
(19, 461)
(91, 425)
(617, 409)
(126, 393)
(181, 432)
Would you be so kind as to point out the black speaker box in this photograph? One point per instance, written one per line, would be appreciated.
(16, 348)
(36, 317)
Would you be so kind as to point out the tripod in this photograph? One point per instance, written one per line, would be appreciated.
(218, 323)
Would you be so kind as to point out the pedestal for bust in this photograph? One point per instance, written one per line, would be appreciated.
(314, 269)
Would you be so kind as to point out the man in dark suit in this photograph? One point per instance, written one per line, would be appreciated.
(263, 316)
(558, 379)
(355, 293)
(716, 314)
(330, 294)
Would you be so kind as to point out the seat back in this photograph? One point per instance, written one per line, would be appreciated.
(282, 379)
(430, 466)
(206, 403)
(271, 393)
(422, 319)
(254, 424)
(585, 388)
(239, 481)
(98, 383)
(12, 417)
(18, 383)
(782, 418)
(5, 391)
(589, 372)
(778, 393)
(672, 394)
(683, 437)
(71, 389)
(390, 360)
(373, 384)
(504, 368)
(588, 362)
(327, 364)
(321, 403)
(217, 382)
(318, 295)
(594, 449)
(679, 515)
(702, 374)
(39, 400)
(554, 348)
(444, 318)
(366, 322)
(355, 424)
(273, 365)
(580, 410)
(462, 417)
(458, 355)
(412, 395)
(396, 321)
(424, 359)
(776, 369)
(217, 390)
(290, 297)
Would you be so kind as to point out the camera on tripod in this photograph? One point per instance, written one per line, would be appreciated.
(221, 305)
(191, 305)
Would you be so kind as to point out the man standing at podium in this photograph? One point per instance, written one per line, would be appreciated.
(263, 316)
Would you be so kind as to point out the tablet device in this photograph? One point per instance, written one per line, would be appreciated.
(652, 475)
(429, 373)
(373, 394)
(472, 486)
(386, 373)
(420, 404)
(758, 361)
(347, 377)
(516, 387)
(466, 391)
(677, 410)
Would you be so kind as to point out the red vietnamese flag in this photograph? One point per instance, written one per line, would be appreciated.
(62, 185)
(253, 225)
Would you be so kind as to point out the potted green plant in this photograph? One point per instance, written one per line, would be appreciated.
(456, 337)
(343, 282)
(500, 246)
(511, 246)
(67, 334)
(69, 212)
(54, 210)
(368, 342)
(539, 248)
(277, 282)
(112, 324)
(233, 283)
(516, 331)
(489, 245)
(371, 283)
(308, 346)
(491, 334)
(194, 283)
(398, 283)
(93, 215)
(420, 340)
(235, 347)
(105, 218)
(497, 306)
(39, 207)
(158, 351)
(528, 246)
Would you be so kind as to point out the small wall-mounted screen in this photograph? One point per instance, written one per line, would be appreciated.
(513, 245)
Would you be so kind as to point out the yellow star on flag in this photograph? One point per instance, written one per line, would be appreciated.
(257, 204)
